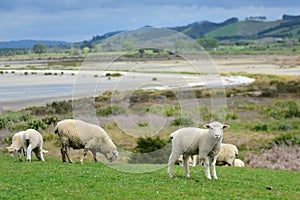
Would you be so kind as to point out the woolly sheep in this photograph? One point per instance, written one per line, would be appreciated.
(238, 163)
(191, 141)
(227, 154)
(33, 141)
(192, 162)
(17, 144)
(81, 135)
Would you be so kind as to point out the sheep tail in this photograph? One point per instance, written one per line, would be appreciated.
(56, 130)
(236, 151)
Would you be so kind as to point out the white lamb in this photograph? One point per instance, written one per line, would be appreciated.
(17, 144)
(191, 141)
(227, 154)
(238, 163)
(33, 141)
(81, 135)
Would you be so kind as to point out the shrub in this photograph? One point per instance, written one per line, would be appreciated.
(49, 136)
(283, 109)
(26, 117)
(261, 127)
(150, 150)
(142, 124)
(181, 121)
(36, 124)
(232, 116)
(61, 107)
(3, 123)
(7, 139)
(110, 110)
(49, 120)
(286, 140)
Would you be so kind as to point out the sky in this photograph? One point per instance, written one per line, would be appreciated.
(78, 20)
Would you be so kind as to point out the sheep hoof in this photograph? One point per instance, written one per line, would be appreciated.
(188, 176)
(170, 176)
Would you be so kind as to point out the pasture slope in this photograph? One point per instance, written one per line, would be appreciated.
(53, 179)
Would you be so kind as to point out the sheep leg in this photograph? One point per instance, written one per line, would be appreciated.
(207, 170)
(67, 151)
(94, 155)
(83, 156)
(63, 155)
(28, 152)
(213, 166)
(19, 153)
(39, 154)
(172, 159)
(186, 159)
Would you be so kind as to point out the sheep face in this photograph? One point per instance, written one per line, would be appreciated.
(12, 151)
(112, 157)
(215, 129)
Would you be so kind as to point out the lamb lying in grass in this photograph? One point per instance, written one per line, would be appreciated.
(227, 154)
(191, 141)
(81, 135)
(238, 163)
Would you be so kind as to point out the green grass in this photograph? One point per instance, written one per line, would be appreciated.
(53, 179)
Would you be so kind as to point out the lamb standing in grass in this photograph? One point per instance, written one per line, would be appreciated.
(227, 154)
(191, 141)
(17, 144)
(81, 135)
(33, 141)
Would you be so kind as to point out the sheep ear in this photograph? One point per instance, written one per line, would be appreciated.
(116, 153)
(11, 149)
(206, 126)
(226, 126)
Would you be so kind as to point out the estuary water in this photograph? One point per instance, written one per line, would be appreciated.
(24, 88)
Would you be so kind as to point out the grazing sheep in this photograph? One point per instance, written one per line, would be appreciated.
(191, 161)
(227, 154)
(81, 135)
(191, 141)
(17, 144)
(238, 163)
(33, 141)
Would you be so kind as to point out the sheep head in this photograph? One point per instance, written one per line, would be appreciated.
(112, 157)
(11, 151)
(216, 128)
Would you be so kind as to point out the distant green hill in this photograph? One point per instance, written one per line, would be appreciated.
(199, 29)
(241, 29)
(257, 29)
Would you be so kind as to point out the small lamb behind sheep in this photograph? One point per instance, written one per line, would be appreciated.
(227, 154)
(81, 135)
(33, 141)
(238, 163)
(191, 141)
(17, 144)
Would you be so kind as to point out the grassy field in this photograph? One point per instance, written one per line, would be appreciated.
(53, 179)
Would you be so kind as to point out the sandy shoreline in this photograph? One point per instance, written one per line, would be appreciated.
(43, 88)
